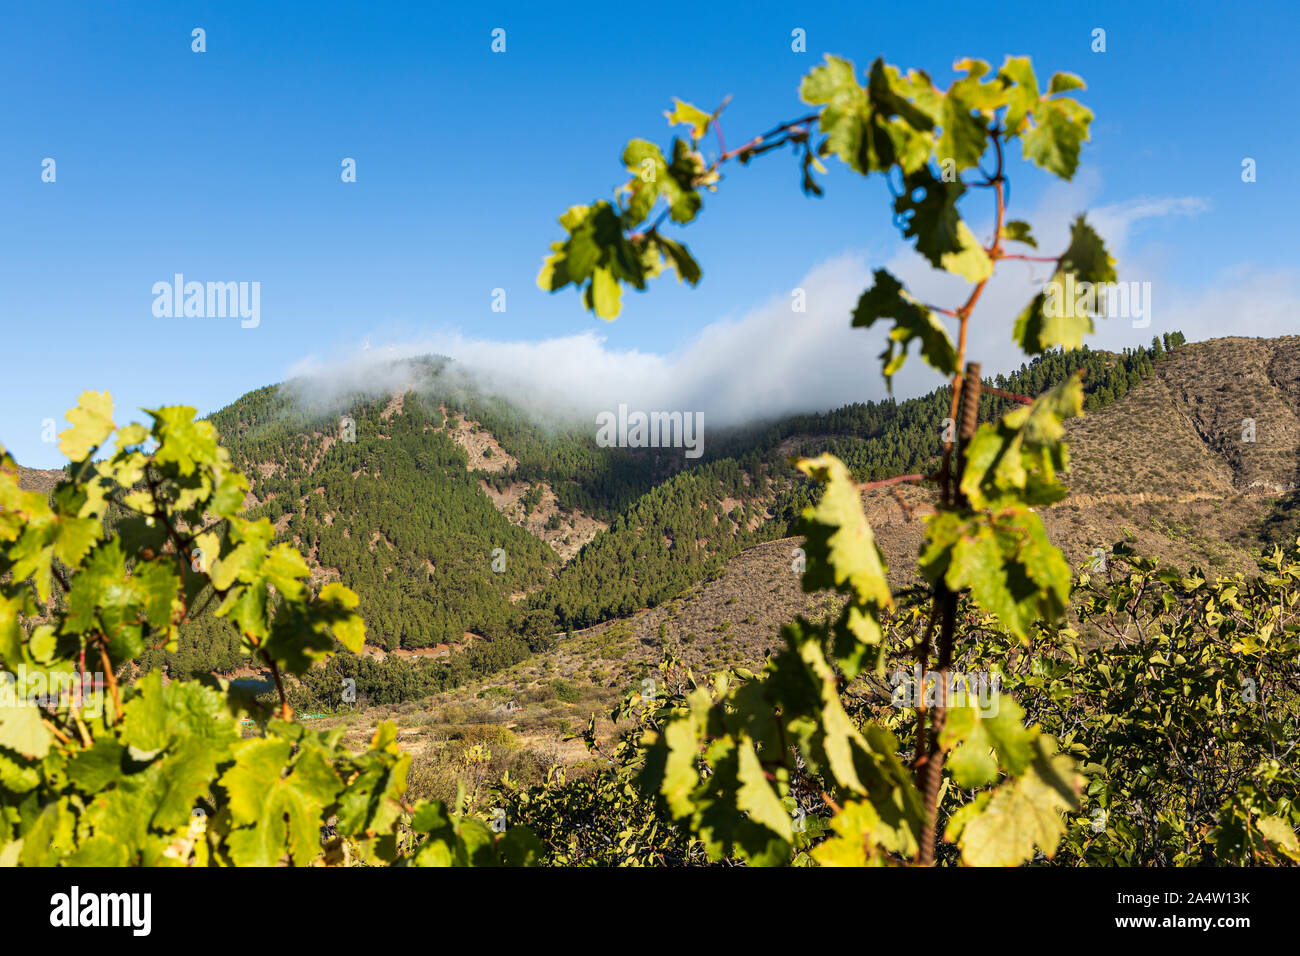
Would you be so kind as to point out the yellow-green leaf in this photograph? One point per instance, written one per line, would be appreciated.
(92, 422)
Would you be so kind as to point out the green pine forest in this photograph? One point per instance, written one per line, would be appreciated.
(401, 516)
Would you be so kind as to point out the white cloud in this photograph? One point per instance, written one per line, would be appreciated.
(1115, 220)
(773, 361)
(770, 361)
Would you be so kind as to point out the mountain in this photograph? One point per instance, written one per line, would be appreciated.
(450, 511)
(39, 479)
(1196, 463)
(1164, 467)
(461, 521)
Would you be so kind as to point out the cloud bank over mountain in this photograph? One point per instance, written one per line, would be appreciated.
(773, 360)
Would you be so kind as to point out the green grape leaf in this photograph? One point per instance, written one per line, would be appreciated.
(285, 570)
(372, 802)
(247, 608)
(845, 111)
(22, 729)
(687, 167)
(179, 780)
(1086, 256)
(129, 436)
(1021, 85)
(674, 774)
(900, 130)
(519, 846)
(654, 176)
(1017, 230)
(33, 554)
(686, 114)
(688, 270)
(228, 493)
(1059, 132)
(159, 717)
(92, 422)
(965, 126)
(912, 321)
(596, 249)
(442, 846)
(252, 541)
(841, 550)
(981, 742)
(972, 263)
(50, 835)
(75, 538)
(1039, 328)
(273, 813)
(1022, 814)
(17, 774)
(1280, 836)
(762, 807)
(18, 508)
(157, 590)
(94, 769)
(11, 631)
(646, 163)
(856, 832)
(1051, 128)
(838, 741)
(973, 764)
(932, 219)
(1020, 456)
(335, 609)
(1006, 560)
(105, 849)
(719, 820)
(183, 443)
(604, 296)
(103, 598)
(855, 633)
(1063, 83)
(869, 128)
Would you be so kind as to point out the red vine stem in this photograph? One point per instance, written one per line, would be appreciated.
(884, 482)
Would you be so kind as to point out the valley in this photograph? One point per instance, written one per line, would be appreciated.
(615, 558)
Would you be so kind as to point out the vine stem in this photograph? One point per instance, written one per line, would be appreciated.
(885, 482)
(59, 735)
(929, 763)
(792, 131)
(994, 250)
(928, 760)
(286, 712)
(791, 126)
(112, 681)
(717, 127)
(1022, 399)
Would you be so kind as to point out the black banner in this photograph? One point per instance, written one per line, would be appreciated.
(358, 906)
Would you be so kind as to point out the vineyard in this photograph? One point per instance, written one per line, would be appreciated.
(1008, 707)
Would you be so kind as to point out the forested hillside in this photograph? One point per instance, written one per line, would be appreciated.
(410, 509)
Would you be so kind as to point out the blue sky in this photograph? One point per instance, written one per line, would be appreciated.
(225, 166)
